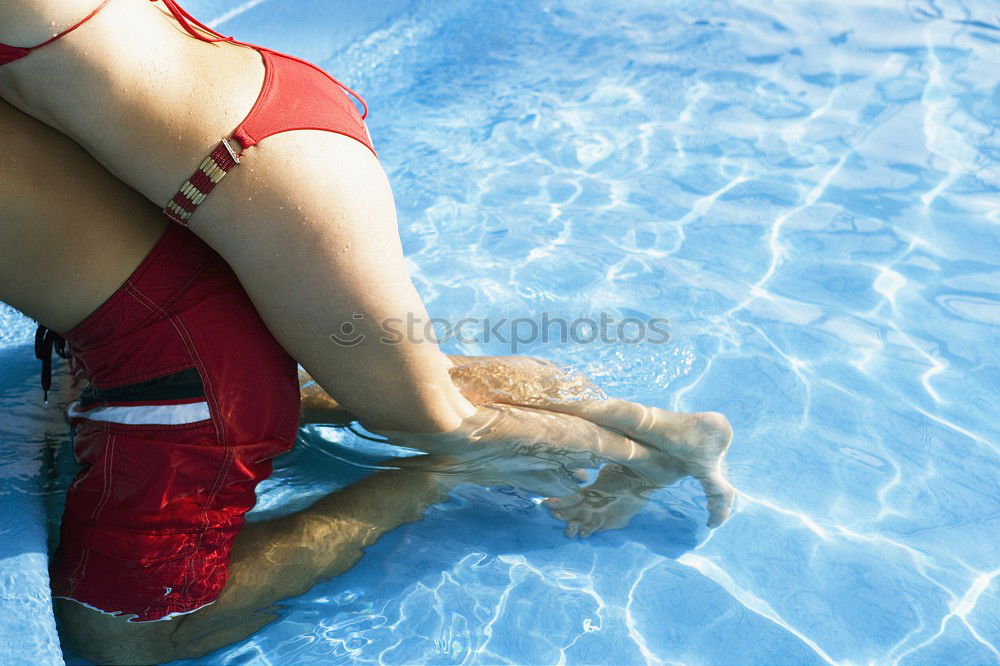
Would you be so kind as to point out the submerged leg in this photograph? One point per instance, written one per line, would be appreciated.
(695, 444)
(284, 557)
(270, 561)
(499, 433)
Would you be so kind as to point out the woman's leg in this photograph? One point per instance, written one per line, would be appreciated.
(307, 221)
(70, 235)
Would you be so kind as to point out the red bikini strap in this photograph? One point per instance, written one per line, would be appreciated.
(199, 30)
(71, 28)
(189, 22)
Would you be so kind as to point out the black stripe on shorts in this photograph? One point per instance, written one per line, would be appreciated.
(183, 385)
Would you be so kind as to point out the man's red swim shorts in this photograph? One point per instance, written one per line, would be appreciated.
(189, 400)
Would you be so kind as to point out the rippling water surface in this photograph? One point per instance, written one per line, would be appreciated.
(808, 192)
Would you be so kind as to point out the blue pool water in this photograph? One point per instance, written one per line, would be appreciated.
(808, 191)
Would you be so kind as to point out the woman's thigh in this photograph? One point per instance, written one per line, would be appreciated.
(70, 233)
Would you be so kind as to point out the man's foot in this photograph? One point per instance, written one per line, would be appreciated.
(691, 444)
(612, 500)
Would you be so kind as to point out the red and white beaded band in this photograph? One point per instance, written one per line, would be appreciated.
(196, 188)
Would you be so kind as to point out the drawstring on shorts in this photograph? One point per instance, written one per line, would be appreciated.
(47, 340)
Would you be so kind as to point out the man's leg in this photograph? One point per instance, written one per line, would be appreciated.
(284, 557)
(270, 561)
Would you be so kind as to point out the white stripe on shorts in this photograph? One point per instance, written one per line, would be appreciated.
(191, 412)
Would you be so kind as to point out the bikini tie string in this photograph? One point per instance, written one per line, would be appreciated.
(47, 340)
(192, 25)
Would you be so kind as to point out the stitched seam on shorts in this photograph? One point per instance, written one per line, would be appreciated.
(197, 273)
(129, 289)
(189, 577)
(158, 308)
(223, 468)
(106, 492)
(195, 358)
(220, 479)
(216, 421)
(153, 309)
(206, 379)
(79, 572)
